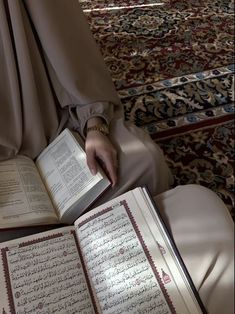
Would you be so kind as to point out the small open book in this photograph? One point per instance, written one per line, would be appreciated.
(58, 187)
(117, 258)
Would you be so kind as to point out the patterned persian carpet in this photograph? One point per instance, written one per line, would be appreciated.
(172, 64)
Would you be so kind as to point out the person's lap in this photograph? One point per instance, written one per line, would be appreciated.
(140, 161)
(203, 230)
(199, 222)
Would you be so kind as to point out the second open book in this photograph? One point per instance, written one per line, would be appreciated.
(117, 258)
(58, 187)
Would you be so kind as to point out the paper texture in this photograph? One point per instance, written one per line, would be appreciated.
(23, 197)
(128, 266)
(45, 276)
(64, 170)
(116, 259)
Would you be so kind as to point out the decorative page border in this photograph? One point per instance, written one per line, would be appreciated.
(7, 280)
(144, 247)
(85, 273)
(34, 241)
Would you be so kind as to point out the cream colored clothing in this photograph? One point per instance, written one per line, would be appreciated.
(51, 74)
(204, 234)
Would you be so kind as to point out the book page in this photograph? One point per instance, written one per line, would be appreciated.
(44, 274)
(65, 172)
(126, 264)
(23, 197)
(174, 272)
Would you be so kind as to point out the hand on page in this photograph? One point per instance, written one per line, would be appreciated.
(99, 148)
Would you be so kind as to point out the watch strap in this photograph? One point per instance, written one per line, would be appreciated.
(102, 128)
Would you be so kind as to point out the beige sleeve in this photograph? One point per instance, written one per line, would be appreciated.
(75, 65)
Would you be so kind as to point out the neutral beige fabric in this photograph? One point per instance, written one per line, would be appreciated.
(41, 90)
(204, 233)
(32, 111)
(141, 161)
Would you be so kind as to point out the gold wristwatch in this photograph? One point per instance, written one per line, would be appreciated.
(102, 128)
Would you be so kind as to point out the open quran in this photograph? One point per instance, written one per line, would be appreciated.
(117, 258)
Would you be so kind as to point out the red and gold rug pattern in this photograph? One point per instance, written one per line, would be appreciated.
(172, 63)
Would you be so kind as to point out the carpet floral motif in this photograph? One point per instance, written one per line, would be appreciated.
(172, 64)
(205, 157)
(191, 99)
(143, 45)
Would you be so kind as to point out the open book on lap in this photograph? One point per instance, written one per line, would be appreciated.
(58, 187)
(117, 258)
